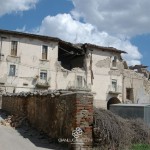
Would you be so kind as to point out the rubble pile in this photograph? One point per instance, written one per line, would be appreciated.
(50, 93)
(14, 121)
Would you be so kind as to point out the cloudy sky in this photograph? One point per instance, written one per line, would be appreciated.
(116, 23)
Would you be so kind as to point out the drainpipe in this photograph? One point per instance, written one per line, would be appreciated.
(123, 88)
(87, 52)
(1, 39)
(0, 48)
(86, 68)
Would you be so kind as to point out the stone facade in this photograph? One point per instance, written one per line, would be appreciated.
(64, 66)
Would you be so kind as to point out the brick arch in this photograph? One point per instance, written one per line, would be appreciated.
(113, 100)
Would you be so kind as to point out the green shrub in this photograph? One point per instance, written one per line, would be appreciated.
(140, 147)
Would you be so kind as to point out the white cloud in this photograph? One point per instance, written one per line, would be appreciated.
(9, 6)
(23, 29)
(127, 17)
(69, 29)
(103, 20)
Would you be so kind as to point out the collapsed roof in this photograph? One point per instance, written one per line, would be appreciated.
(76, 47)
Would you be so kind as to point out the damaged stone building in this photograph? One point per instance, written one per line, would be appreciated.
(136, 85)
(30, 62)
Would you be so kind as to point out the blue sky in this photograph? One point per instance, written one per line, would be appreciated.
(120, 24)
(143, 43)
(33, 17)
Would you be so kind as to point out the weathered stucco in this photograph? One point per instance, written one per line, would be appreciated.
(69, 67)
(104, 73)
(28, 62)
(140, 85)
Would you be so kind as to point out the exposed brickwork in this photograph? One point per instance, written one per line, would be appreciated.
(57, 115)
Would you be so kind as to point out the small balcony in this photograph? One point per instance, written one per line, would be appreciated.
(13, 58)
(115, 89)
(72, 85)
(42, 84)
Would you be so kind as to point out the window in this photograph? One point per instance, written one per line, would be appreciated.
(43, 75)
(44, 52)
(14, 48)
(114, 62)
(114, 85)
(12, 70)
(79, 81)
(129, 93)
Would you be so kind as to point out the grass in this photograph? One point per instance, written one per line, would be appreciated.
(140, 147)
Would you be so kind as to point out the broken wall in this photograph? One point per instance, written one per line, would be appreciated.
(103, 74)
(57, 114)
(140, 85)
(67, 79)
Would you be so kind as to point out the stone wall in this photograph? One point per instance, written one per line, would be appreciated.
(58, 114)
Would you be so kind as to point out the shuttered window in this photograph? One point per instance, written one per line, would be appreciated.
(44, 52)
(12, 70)
(43, 75)
(114, 62)
(14, 45)
(114, 85)
(79, 81)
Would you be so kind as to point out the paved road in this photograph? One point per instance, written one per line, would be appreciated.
(24, 139)
(10, 139)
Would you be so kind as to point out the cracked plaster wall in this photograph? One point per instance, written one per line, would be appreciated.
(103, 74)
(28, 62)
(66, 79)
(140, 85)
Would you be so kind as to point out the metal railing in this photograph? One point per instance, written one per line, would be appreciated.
(115, 89)
(42, 83)
(73, 85)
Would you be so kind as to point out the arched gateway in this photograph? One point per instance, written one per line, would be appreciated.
(113, 100)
